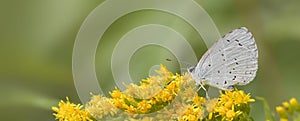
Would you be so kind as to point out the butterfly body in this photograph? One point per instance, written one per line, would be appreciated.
(232, 60)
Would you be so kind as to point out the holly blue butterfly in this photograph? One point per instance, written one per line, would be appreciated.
(232, 60)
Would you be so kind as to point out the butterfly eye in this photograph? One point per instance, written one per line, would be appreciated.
(191, 69)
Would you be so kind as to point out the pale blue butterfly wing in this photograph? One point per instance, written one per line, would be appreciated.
(232, 60)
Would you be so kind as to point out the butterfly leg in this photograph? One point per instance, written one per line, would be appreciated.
(202, 86)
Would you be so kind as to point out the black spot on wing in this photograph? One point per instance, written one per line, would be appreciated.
(234, 77)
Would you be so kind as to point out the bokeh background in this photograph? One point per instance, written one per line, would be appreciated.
(37, 37)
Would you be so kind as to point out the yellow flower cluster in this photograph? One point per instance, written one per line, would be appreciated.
(231, 104)
(70, 112)
(153, 94)
(100, 106)
(193, 112)
(291, 108)
(156, 92)
(167, 96)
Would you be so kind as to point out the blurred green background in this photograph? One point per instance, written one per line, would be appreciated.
(37, 37)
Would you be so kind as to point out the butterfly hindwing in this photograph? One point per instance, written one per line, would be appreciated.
(231, 60)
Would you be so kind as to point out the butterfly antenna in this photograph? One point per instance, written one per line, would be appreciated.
(185, 63)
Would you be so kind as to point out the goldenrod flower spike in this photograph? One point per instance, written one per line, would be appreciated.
(128, 104)
(156, 92)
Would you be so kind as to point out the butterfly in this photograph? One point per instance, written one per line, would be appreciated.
(232, 60)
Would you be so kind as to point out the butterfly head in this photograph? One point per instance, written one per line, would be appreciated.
(191, 69)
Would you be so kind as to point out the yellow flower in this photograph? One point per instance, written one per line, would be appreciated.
(189, 118)
(286, 105)
(199, 100)
(210, 115)
(165, 96)
(228, 104)
(68, 111)
(119, 103)
(116, 94)
(164, 72)
(294, 102)
(282, 113)
(228, 100)
(241, 97)
(131, 109)
(291, 109)
(230, 114)
(191, 113)
(280, 110)
(100, 107)
(284, 119)
(144, 106)
(221, 110)
(171, 87)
